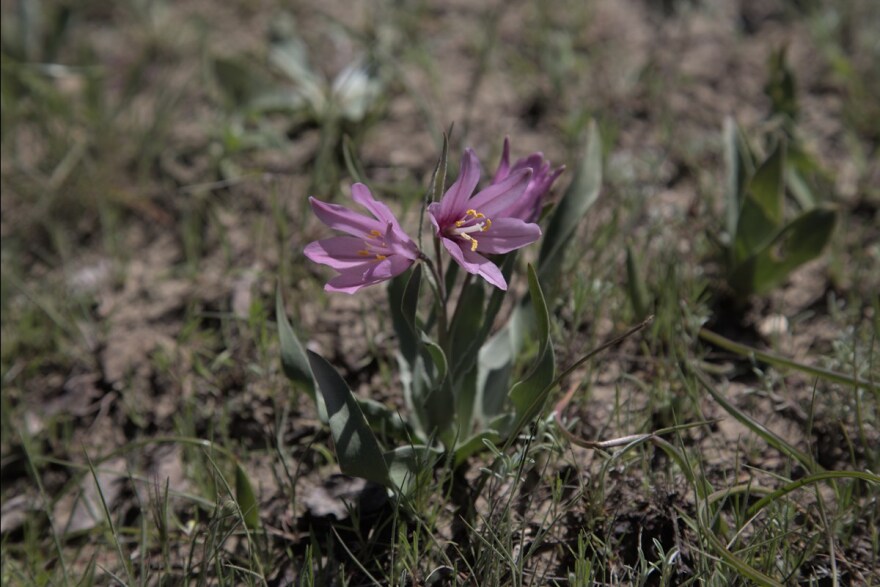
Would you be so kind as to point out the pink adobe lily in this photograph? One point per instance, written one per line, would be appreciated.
(470, 226)
(376, 250)
(528, 206)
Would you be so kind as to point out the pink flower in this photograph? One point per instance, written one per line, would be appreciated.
(377, 249)
(527, 207)
(468, 226)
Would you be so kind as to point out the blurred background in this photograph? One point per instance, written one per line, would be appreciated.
(157, 158)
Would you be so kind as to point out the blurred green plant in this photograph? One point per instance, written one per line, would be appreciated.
(345, 106)
(762, 245)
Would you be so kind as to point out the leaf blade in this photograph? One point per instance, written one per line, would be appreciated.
(357, 449)
(579, 197)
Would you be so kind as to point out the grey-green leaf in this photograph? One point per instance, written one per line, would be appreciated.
(801, 241)
(246, 498)
(738, 161)
(635, 285)
(407, 463)
(352, 164)
(294, 362)
(761, 216)
(767, 185)
(356, 447)
(528, 396)
(438, 182)
(438, 358)
(580, 195)
(466, 324)
(240, 81)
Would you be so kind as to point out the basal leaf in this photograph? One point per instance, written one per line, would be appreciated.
(409, 303)
(294, 362)
(799, 188)
(438, 358)
(780, 86)
(403, 292)
(438, 182)
(635, 285)
(539, 305)
(801, 241)
(407, 463)
(528, 395)
(387, 423)
(474, 444)
(240, 81)
(356, 447)
(247, 500)
(438, 179)
(580, 195)
(761, 216)
(496, 358)
(739, 167)
(767, 185)
(290, 56)
(753, 232)
(352, 164)
(440, 410)
(496, 367)
(466, 324)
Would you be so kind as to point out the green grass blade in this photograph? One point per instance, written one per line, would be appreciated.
(810, 480)
(768, 435)
(778, 361)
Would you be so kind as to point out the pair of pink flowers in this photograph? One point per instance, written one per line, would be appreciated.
(495, 220)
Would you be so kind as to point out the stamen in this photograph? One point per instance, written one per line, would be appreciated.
(465, 231)
(375, 233)
(369, 253)
(472, 239)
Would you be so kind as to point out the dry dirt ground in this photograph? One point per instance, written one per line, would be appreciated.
(138, 285)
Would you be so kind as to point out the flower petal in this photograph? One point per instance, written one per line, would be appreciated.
(434, 212)
(363, 196)
(475, 263)
(338, 252)
(503, 165)
(351, 280)
(341, 218)
(405, 247)
(454, 201)
(507, 234)
(499, 196)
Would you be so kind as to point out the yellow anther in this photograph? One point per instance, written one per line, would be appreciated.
(473, 241)
(381, 257)
(465, 232)
(364, 253)
(375, 233)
